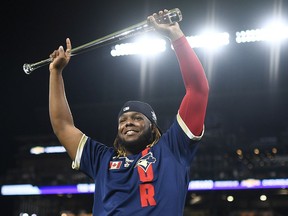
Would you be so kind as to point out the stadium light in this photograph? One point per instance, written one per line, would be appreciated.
(144, 46)
(276, 31)
(148, 46)
(209, 40)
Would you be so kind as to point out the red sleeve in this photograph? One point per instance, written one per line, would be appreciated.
(193, 106)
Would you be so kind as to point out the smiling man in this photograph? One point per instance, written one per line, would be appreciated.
(147, 171)
(137, 127)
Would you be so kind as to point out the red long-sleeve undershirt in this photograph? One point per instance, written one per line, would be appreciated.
(193, 106)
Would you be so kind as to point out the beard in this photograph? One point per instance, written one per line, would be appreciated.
(139, 144)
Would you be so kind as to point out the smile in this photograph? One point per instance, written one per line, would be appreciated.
(130, 132)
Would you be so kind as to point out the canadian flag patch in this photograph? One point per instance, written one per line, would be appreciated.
(115, 165)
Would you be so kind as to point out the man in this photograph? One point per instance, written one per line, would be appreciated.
(147, 172)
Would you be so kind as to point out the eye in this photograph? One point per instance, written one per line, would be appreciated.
(121, 120)
(138, 118)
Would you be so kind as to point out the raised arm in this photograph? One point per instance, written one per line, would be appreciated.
(193, 107)
(60, 114)
(192, 110)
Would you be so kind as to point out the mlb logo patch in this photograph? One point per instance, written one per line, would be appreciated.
(126, 108)
(115, 165)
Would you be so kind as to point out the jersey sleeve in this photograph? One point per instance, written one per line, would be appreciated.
(77, 161)
(90, 156)
(192, 111)
(180, 145)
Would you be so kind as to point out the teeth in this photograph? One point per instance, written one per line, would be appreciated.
(130, 132)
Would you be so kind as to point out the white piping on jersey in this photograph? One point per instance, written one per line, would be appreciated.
(76, 162)
(186, 129)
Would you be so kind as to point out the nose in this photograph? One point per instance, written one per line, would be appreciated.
(129, 122)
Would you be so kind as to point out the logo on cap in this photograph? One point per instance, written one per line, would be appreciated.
(126, 108)
(154, 116)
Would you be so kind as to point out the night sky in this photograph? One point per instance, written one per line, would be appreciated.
(244, 95)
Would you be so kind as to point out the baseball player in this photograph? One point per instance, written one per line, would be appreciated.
(146, 172)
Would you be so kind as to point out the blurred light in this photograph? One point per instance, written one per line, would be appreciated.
(274, 150)
(86, 188)
(26, 214)
(230, 198)
(37, 150)
(256, 151)
(195, 199)
(144, 46)
(8, 190)
(276, 31)
(283, 192)
(239, 152)
(201, 184)
(55, 149)
(24, 189)
(263, 198)
(250, 183)
(271, 183)
(49, 150)
(209, 40)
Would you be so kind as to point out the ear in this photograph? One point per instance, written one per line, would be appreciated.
(152, 127)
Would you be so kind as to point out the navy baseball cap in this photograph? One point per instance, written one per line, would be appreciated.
(141, 107)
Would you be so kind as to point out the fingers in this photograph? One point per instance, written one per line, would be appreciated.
(54, 54)
(160, 13)
(57, 52)
(151, 20)
(60, 51)
(155, 19)
(68, 46)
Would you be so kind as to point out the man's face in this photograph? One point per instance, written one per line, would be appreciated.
(134, 130)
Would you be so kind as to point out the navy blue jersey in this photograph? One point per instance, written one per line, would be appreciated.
(153, 182)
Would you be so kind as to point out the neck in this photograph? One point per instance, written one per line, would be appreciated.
(134, 149)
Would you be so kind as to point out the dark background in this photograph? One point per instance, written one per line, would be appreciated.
(247, 104)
